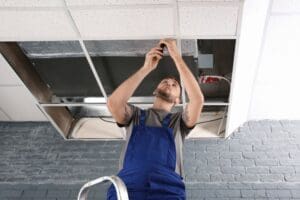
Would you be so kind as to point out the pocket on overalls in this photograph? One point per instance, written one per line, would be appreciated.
(164, 185)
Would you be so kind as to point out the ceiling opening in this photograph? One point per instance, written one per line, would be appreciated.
(63, 67)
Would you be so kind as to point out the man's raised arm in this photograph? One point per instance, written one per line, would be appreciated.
(117, 101)
(196, 98)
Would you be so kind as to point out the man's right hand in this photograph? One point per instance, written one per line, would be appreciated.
(152, 58)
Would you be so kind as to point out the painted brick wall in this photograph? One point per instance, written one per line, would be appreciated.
(259, 161)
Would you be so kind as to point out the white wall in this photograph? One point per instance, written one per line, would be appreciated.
(276, 89)
(250, 32)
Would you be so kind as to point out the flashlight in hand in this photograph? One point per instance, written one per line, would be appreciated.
(163, 46)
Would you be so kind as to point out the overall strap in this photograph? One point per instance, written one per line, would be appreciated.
(143, 118)
(167, 120)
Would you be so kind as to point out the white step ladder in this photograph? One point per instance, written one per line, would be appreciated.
(119, 185)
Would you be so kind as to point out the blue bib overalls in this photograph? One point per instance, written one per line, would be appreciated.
(149, 164)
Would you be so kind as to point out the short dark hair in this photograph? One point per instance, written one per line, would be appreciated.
(176, 79)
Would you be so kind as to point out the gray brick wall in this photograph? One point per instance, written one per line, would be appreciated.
(259, 161)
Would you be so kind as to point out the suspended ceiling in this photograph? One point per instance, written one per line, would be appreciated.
(109, 20)
(33, 20)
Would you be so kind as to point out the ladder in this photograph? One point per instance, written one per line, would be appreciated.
(119, 185)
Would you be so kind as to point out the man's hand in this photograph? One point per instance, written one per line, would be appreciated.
(194, 107)
(171, 46)
(152, 58)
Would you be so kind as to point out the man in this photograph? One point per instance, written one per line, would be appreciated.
(151, 161)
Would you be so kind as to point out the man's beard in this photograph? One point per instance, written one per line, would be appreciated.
(164, 95)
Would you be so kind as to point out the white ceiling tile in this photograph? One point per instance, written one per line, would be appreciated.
(19, 104)
(217, 1)
(123, 22)
(7, 74)
(31, 3)
(208, 19)
(114, 2)
(35, 25)
(286, 6)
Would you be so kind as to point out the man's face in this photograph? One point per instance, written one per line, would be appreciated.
(169, 90)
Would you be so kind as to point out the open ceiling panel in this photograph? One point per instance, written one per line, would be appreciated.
(63, 67)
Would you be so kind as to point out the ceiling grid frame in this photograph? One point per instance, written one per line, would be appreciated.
(130, 6)
(87, 56)
(143, 104)
(176, 30)
(178, 39)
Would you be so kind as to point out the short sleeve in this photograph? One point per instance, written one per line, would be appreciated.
(185, 130)
(134, 113)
